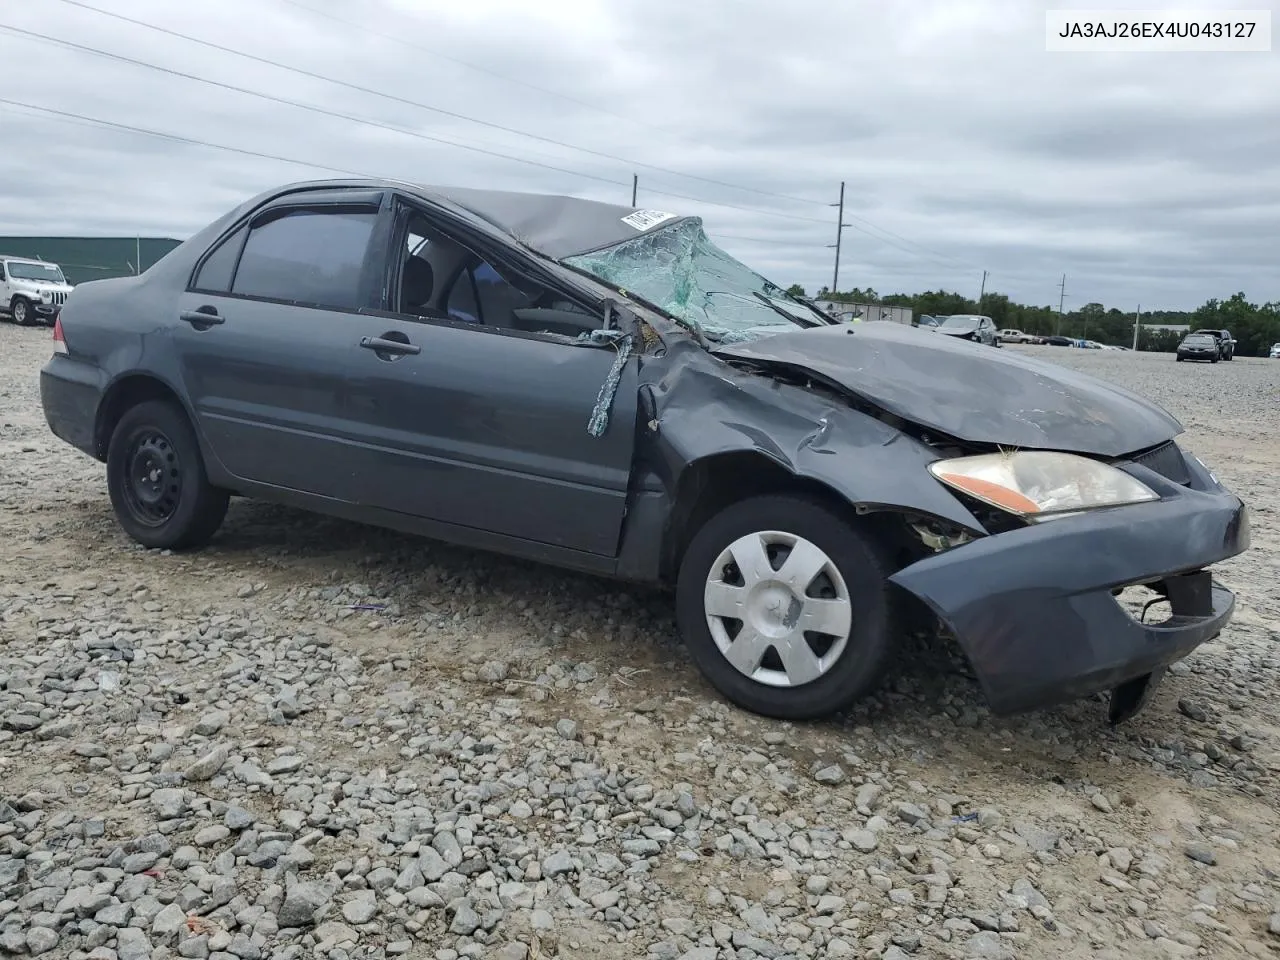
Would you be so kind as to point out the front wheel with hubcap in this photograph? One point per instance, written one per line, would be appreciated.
(157, 481)
(785, 607)
(20, 310)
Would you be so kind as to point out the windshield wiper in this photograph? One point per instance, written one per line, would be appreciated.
(778, 309)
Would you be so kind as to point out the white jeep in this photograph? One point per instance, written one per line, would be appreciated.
(31, 290)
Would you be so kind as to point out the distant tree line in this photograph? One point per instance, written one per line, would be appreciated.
(1255, 326)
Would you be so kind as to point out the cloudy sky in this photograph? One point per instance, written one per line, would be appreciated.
(965, 146)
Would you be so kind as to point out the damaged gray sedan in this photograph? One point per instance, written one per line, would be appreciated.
(602, 388)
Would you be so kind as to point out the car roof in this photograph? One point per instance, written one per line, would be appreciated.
(555, 225)
(10, 256)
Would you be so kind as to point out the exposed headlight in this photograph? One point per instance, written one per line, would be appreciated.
(1039, 485)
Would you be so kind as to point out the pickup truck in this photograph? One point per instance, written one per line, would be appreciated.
(1017, 336)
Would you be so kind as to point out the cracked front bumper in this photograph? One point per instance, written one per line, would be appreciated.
(1035, 609)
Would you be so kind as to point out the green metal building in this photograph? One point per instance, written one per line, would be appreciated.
(91, 258)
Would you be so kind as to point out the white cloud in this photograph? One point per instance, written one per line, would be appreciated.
(964, 144)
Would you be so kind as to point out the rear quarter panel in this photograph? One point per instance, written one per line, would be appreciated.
(122, 328)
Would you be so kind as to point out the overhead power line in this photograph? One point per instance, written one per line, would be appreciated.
(324, 111)
(890, 239)
(426, 106)
(366, 28)
(97, 121)
(770, 240)
(406, 131)
(438, 54)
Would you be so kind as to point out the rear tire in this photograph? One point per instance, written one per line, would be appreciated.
(765, 661)
(157, 481)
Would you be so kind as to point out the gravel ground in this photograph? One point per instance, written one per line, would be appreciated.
(316, 739)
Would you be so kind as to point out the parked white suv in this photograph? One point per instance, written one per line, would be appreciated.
(31, 290)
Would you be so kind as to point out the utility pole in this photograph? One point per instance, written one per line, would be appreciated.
(138, 251)
(840, 225)
(1137, 325)
(1062, 295)
(635, 182)
(982, 292)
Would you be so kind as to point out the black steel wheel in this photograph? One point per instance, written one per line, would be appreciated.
(157, 480)
(152, 482)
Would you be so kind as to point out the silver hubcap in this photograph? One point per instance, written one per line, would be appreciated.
(778, 609)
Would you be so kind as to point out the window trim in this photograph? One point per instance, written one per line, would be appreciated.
(375, 201)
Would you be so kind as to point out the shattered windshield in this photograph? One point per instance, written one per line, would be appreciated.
(679, 270)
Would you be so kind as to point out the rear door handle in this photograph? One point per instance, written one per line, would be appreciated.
(397, 347)
(206, 316)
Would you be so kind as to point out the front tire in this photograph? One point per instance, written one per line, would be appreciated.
(157, 480)
(20, 310)
(785, 607)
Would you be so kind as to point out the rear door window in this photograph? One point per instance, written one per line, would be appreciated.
(312, 257)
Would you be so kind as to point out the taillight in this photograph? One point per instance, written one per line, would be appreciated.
(59, 342)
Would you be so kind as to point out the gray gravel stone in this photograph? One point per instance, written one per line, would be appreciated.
(1201, 852)
(41, 941)
(558, 863)
(465, 919)
(211, 835)
(361, 908)
(169, 804)
(302, 902)
(336, 765)
(132, 944)
(864, 841)
(568, 729)
(211, 723)
(988, 946)
(207, 767)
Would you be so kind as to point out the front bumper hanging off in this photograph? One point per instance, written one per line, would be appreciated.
(1036, 611)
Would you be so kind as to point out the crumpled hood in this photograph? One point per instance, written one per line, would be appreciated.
(969, 390)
